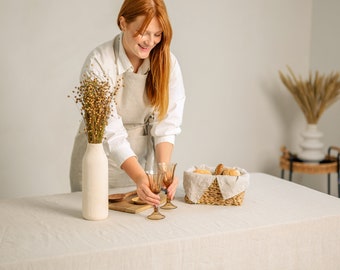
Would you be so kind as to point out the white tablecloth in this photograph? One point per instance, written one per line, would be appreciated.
(281, 225)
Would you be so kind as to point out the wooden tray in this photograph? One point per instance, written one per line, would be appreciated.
(129, 206)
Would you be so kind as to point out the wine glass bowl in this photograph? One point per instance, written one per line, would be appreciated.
(155, 183)
(168, 172)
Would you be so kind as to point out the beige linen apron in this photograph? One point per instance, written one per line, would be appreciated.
(136, 113)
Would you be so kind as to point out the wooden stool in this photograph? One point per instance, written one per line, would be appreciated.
(330, 164)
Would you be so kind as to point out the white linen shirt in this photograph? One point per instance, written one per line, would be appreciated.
(111, 60)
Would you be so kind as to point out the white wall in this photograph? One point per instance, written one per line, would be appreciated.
(237, 110)
(231, 52)
(325, 57)
(43, 45)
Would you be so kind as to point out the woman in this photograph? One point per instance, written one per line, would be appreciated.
(148, 98)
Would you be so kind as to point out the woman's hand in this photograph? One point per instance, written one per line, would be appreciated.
(144, 193)
(138, 175)
(171, 190)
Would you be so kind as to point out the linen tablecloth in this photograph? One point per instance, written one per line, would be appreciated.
(281, 225)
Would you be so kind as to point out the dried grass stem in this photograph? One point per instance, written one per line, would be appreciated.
(94, 99)
(313, 95)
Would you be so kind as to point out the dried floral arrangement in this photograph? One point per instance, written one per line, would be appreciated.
(94, 99)
(313, 95)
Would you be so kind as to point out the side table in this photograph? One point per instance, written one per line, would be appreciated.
(330, 164)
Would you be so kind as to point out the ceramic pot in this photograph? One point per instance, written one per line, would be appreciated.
(312, 147)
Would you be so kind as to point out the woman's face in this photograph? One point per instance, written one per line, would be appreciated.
(138, 47)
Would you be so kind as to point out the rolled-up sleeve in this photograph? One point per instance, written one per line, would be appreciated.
(167, 129)
(116, 139)
(101, 64)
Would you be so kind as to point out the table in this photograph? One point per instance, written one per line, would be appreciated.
(280, 225)
(330, 164)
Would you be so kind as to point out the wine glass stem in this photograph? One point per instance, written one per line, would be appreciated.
(167, 197)
(155, 209)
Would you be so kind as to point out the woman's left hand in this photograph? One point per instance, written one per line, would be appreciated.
(171, 190)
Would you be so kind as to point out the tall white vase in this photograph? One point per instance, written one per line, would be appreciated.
(312, 147)
(95, 183)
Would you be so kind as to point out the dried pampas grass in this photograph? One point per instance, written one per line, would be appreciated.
(313, 95)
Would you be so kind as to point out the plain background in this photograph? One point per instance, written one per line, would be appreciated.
(237, 110)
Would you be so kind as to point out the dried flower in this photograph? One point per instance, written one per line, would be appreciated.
(314, 95)
(94, 99)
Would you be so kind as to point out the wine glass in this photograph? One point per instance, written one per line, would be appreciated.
(155, 182)
(168, 172)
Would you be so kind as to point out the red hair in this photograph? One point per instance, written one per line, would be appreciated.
(157, 82)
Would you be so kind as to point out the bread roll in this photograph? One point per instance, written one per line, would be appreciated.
(235, 172)
(225, 171)
(219, 169)
(232, 172)
(202, 171)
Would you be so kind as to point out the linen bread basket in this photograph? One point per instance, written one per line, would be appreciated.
(214, 188)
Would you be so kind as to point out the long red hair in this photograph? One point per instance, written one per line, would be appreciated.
(157, 82)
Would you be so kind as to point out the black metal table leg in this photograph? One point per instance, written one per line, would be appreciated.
(338, 160)
(338, 168)
(290, 169)
(338, 186)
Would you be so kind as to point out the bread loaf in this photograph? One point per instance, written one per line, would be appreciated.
(202, 171)
(219, 169)
(232, 172)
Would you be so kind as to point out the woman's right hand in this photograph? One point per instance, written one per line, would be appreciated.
(144, 192)
(138, 175)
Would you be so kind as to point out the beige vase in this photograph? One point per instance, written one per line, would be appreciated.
(95, 183)
(312, 147)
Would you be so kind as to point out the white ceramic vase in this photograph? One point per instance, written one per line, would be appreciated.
(312, 147)
(95, 183)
